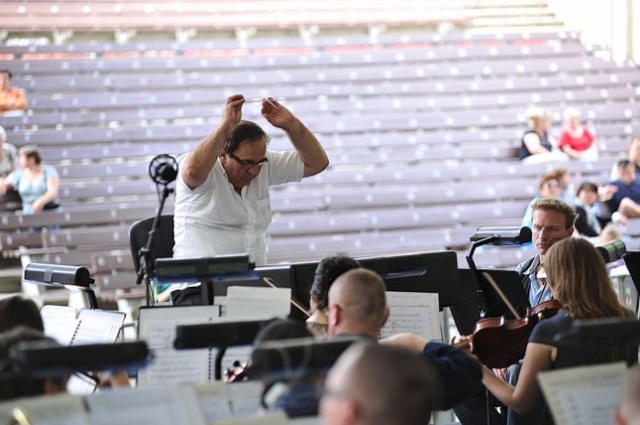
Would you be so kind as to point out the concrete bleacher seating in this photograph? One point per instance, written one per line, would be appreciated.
(421, 130)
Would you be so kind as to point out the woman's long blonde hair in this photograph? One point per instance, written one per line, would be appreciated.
(576, 271)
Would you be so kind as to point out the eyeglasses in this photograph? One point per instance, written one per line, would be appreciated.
(246, 163)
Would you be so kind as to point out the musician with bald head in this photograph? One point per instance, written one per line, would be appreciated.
(358, 306)
(374, 384)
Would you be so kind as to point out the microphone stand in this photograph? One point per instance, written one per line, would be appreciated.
(146, 271)
(479, 279)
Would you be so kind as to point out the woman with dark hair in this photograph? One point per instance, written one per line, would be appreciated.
(577, 277)
(17, 311)
(328, 270)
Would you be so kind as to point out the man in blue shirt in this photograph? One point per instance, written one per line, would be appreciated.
(623, 194)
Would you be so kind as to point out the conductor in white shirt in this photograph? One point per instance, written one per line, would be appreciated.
(222, 191)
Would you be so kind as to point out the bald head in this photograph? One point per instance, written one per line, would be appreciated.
(379, 384)
(357, 303)
(629, 407)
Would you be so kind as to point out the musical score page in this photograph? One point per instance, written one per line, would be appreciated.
(246, 303)
(60, 409)
(157, 326)
(413, 312)
(583, 395)
(213, 399)
(152, 405)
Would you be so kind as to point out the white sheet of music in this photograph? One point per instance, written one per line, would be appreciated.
(98, 326)
(583, 395)
(310, 420)
(153, 405)
(413, 312)
(272, 418)
(157, 326)
(213, 398)
(246, 303)
(62, 409)
(60, 322)
(245, 398)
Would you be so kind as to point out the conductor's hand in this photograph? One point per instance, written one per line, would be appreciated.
(276, 114)
(233, 110)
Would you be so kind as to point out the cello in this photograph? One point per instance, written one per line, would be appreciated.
(498, 342)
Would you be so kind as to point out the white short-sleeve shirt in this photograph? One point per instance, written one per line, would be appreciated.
(213, 219)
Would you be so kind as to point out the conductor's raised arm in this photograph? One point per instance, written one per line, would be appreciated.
(197, 166)
(304, 142)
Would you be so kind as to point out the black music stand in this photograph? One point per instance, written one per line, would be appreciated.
(217, 335)
(632, 261)
(204, 270)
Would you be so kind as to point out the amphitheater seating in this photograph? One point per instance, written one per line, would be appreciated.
(421, 130)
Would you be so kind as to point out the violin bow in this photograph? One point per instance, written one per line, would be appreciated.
(294, 302)
(501, 294)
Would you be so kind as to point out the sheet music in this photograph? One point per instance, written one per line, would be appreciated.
(272, 418)
(157, 326)
(62, 409)
(98, 326)
(309, 420)
(248, 303)
(413, 312)
(245, 398)
(214, 401)
(60, 322)
(583, 395)
(153, 405)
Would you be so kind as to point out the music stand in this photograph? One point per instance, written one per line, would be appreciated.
(217, 335)
(204, 270)
(632, 261)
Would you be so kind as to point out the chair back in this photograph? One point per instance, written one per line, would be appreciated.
(162, 242)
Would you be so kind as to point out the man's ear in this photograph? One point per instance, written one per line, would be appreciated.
(571, 230)
(619, 418)
(334, 318)
(385, 318)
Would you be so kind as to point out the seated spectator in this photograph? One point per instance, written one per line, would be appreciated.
(628, 412)
(549, 187)
(586, 205)
(36, 183)
(329, 268)
(567, 190)
(12, 99)
(375, 384)
(575, 139)
(8, 155)
(633, 155)
(622, 195)
(536, 144)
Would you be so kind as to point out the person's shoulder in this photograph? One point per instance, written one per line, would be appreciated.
(8, 147)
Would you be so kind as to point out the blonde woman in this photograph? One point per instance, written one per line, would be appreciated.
(537, 145)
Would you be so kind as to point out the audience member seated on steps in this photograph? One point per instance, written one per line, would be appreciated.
(622, 196)
(633, 155)
(8, 155)
(297, 397)
(36, 183)
(548, 187)
(536, 144)
(329, 268)
(586, 205)
(575, 139)
(628, 411)
(12, 99)
(579, 282)
(374, 384)
(222, 192)
(567, 190)
(358, 306)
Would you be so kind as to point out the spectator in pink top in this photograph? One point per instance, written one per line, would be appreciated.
(575, 139)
